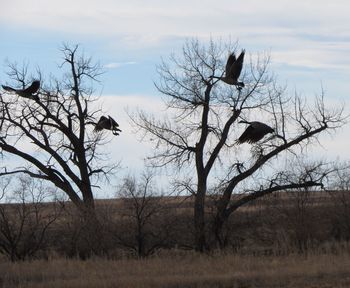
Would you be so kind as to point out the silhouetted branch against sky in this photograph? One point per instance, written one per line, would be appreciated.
(191, 98)
(51, 128)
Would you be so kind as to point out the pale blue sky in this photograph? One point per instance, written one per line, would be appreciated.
(309, 43)
(308, 40)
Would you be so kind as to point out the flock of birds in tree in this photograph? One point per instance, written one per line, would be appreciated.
(30, 93)
(256, 130)
(253, 133)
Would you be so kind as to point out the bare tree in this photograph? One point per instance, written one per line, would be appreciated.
(296, 210)
(144, 210)
(50, 132)
(25, 217)
(201, 129)
(340, 195)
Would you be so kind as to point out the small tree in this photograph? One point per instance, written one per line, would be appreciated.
(296, 216)
(340, 195)
(51, 131)
(25, 218)
(144, 209)
(200, 131)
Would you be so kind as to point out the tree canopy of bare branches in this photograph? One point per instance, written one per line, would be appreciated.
(199, 134)
(145, 208)
(50, 132)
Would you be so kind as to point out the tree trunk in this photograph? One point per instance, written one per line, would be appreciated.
(92, 232)
(199, 218)
(217, 231)
(220, 219)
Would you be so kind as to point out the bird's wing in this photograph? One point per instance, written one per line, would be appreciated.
(246, 135)
(260, 130)
(230, 61)
(98, 126)
(262, 127)
(113, 122)
(33, 88)
(101, 123)
(237, 66)
(8, 88)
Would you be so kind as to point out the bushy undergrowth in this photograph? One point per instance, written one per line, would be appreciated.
(275, 225)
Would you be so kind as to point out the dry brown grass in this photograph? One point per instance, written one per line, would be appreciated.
(183, 270)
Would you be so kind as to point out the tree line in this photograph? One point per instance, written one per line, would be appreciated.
(141, 222)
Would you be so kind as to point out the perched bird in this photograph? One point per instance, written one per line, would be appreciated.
(27, 92)
(233, 70)
(107, 123)
(254, 132)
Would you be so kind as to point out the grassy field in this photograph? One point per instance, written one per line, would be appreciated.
(327, 264)
(185, 270)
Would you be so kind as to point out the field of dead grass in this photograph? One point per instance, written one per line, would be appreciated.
(185, 270)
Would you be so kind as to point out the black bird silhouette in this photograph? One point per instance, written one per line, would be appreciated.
(107, 123)
(27, 92)
(254, 132)
(233, 70)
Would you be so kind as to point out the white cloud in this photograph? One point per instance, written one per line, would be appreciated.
(313, 58)
(299, 33)
(112, 65)
(151, 20)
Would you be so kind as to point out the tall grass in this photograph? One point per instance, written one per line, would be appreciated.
(180, 269)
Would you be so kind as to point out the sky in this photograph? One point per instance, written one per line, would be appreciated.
(309, 44)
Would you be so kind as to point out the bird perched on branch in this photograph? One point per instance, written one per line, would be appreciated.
(254, 132)
(28, 92)
(107, 123)
(233, 70)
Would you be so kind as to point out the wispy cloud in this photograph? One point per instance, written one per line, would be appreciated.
(113, 65)
(140, 26)
(152, 19)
